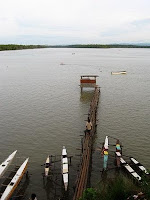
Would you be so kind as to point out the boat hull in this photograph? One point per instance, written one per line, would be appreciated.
(139, 166)
(6, 163)
(47, 165)
(65, 168)
(105, 153)
(130, 170)
(15, 181)
(118, 73)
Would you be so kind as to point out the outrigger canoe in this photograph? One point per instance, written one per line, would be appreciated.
(6, 163)
(47, 166)
(64, 168)
(130, 170)
(105, 153)
(15, 181)
(139, 166)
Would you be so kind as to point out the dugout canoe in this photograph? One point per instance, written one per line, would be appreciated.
(4, 166)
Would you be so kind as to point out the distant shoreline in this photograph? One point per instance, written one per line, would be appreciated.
(20, 47)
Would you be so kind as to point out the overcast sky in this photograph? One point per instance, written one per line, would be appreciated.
(74, 21)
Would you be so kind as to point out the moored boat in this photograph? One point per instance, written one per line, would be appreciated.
(117, 73)
(6, 163)
(130, 170)
(105, 153)
(15, 181)
(139, 166)
(64, 168)
(47, 166)
(118, 153)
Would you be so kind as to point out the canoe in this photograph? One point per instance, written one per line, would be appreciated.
(139, 166)
(118, 153)
(105, 153)
(130, 170)
(64, 168)
(15, 181)
(6, 163)
(118, 73)
(47, 165)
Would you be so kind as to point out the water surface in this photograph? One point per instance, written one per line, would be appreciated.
(42, 108)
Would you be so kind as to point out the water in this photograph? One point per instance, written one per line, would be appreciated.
(42, 108)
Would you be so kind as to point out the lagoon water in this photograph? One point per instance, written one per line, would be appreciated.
(42, 108)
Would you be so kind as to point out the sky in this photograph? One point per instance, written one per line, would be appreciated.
(63, 22)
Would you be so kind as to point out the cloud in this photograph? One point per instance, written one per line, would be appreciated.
(86, 21)
(142, 23)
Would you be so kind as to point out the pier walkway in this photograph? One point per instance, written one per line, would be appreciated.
(83, 175)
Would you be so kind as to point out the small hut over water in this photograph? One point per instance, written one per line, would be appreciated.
(88, 81)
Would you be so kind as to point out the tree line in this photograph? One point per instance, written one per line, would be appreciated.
(19, 47)
(4, 47)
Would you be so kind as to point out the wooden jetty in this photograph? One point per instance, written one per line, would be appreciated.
(83, 175)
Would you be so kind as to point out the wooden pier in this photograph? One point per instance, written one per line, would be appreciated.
(83, 175)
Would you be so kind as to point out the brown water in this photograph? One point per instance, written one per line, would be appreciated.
(42, 109)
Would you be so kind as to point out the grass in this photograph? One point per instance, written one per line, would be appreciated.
(119, 188)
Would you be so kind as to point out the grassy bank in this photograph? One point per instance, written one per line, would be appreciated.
(119, 188)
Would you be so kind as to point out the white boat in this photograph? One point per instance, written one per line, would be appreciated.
(130, 170)
(64, 168)
(47, 166)
(117, 73)
(15, 181)
(106, 142)
(139, 166)
(6, 163)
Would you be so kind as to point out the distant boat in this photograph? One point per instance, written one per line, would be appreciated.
(6, 163)
(62, 63)
(64, 168)
(117, 73)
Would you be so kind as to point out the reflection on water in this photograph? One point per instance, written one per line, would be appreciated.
(86, 96)
(49, 186)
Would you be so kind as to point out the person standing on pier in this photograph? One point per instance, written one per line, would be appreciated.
(88, 126)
